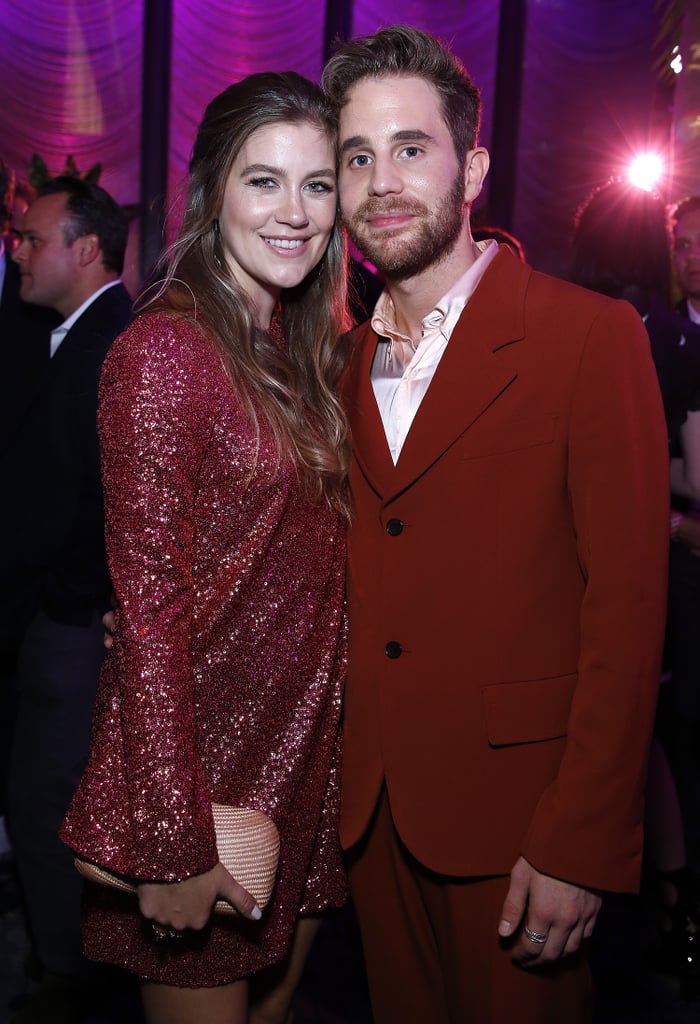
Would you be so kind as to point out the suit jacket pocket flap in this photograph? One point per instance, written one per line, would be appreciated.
(480, 441)
(528, 711)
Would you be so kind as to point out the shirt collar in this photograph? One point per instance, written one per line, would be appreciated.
(447, 310)
(692, 314)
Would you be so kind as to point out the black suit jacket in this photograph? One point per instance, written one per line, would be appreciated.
(675, 347)
(24, 349)
(51, 517)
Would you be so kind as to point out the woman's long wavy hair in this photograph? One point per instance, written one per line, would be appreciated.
(294, 391)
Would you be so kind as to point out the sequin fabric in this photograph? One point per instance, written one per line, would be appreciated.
(224, 681)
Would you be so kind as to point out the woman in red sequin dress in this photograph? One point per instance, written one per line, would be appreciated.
(224, 461)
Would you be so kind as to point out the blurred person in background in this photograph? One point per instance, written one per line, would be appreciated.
(24, 359)
(70, 260)
(622, 248)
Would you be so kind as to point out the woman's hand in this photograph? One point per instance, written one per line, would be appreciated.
(108, 621)
(688, 532)
(188, 904)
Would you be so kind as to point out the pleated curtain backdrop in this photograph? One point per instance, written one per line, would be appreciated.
(71, 72)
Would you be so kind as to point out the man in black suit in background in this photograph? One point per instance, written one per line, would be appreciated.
(24, 357)
(51, 523)
(24, 333)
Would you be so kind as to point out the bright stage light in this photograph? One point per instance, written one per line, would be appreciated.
(645, 171)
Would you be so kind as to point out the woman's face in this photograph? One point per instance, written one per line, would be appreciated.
(279, 210)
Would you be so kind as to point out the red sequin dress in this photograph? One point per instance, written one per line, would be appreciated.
(224, 681)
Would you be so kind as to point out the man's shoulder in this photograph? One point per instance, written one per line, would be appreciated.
(107, 316)
(561, 290)
(552, 319)
(508, 284)
(114, 302)
(514, 298)
(564, 303)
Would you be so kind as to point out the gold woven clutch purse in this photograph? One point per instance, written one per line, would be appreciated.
(248, 844)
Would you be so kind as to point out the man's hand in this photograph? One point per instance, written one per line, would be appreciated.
(558, 914)
(689, 532)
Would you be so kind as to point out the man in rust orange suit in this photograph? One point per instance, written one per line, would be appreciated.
(507, 574)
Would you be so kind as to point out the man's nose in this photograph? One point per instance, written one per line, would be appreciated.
(385, 178)
(20, 253)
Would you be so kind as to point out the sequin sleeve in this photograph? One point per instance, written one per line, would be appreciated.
(154, 420)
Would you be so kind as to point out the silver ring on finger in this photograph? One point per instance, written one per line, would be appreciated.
(535, 937)
(163, 934)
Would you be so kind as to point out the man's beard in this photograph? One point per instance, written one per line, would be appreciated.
(437, 236)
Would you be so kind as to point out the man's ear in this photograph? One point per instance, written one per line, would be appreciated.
(87, 249)
(475, 170)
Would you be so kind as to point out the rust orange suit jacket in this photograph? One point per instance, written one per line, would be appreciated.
(516, 556)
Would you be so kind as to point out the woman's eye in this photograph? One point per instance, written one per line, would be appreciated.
(262, 182)
(319, 187)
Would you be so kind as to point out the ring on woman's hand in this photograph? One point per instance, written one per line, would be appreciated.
(534, 936)
(163, 934)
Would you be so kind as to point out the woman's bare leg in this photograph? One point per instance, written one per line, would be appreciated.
(272, 992)
(166, 1004)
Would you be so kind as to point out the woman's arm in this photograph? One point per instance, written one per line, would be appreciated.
(153, 423)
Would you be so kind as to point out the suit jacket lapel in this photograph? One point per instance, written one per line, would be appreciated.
(474, 370)
(369, 443)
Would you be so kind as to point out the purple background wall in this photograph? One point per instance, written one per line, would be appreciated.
(70, 82)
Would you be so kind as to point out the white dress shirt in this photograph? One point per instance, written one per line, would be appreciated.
(403, 369)
(692, 313)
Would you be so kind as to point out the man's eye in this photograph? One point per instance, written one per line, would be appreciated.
(410, 151)
(361, 160)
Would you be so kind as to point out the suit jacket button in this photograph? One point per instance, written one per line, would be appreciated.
(394, 527)
(393, 649)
